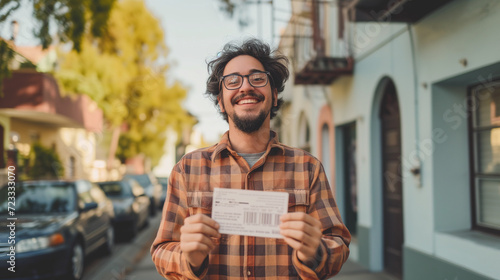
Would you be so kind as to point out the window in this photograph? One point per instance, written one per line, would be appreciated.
(485, 135)
(72, 167)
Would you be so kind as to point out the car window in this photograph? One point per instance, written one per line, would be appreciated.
(142, 179)
(136, 188)
(41, 197)
(115, 189)
(83, 193)
(163, 180)
(97, 194)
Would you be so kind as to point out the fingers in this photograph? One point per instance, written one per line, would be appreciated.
(300, 216)
(195, 238)
(302, 232)
(201, 219)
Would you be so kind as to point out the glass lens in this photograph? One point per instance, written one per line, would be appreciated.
(233, 81)
(258, 79)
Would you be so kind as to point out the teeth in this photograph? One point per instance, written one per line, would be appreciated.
(248, 101)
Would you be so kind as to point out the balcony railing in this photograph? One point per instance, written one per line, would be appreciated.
(392, 10)
(324, 70)
(313, 63)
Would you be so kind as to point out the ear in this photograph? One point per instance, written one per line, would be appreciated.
(221, 103)
(275, 97)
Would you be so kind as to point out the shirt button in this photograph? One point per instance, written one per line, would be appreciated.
(249, 273)
(248, 176)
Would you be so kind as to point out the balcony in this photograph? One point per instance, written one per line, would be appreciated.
(409, 11)
(324, 70)
(35, 97)
(317, 56)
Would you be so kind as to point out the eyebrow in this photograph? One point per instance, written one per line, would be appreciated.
(251, 72)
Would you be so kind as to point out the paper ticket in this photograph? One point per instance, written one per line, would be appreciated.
(251, 213)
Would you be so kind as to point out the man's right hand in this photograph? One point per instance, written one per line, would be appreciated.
(196, 242)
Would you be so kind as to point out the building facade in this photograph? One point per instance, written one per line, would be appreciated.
(400, 100)
(32, 110)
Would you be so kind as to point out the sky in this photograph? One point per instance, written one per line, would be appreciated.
(195, 31)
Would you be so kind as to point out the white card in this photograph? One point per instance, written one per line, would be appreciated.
(252, 213)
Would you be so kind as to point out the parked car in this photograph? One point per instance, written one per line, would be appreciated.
(151, 187)
(130, 203)
(56, 224)
(164, 185)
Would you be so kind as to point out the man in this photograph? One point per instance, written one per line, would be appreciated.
(245, 82)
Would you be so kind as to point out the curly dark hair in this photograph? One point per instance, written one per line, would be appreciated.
(273, 61)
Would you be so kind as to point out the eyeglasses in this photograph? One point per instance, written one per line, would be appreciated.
(235, 81)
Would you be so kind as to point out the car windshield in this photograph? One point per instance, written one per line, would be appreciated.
(163, 180)
(143, 179)
(115, 189)
(39, 197)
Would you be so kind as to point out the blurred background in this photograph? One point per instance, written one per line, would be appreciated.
(399, 99)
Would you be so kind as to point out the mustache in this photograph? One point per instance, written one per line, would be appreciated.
(244, 95)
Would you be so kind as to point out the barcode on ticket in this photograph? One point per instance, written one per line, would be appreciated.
(256, 218)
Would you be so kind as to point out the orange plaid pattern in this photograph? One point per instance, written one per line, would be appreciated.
(280, 169)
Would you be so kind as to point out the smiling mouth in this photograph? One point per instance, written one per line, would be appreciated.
(250, 98)
(247, 101)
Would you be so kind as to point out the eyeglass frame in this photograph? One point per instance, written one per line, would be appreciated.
(269, 77)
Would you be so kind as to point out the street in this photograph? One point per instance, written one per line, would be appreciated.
(126, 254)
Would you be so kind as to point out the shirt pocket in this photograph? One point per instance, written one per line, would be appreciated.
(298, 200)
(200, 202)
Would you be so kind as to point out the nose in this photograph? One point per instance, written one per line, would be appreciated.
(246, 84)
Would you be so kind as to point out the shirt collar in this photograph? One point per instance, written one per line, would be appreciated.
(225, 144)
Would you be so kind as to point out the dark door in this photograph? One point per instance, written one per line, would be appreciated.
(2, 153)
(392, 181)
(350, 182)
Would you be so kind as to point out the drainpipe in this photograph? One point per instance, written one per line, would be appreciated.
(415, 170)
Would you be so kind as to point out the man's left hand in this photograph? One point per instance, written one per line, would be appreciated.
(302, 232)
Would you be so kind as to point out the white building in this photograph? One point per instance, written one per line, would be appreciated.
(410, 130)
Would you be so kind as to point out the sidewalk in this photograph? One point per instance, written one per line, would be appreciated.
(351, 271)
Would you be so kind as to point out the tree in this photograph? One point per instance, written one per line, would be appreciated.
(125, 73)
(43, 163)
(71, 19)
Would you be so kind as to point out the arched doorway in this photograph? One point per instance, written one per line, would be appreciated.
(304, 134)
(2, 152)
(392, 187)
(326, 143)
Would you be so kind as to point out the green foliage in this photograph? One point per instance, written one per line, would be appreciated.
(227, 6)
(43, 163)
(8, 6)
(230, 7)
(124, 73)
(72, 18)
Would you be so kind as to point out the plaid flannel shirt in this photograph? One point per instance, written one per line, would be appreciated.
(280, 169)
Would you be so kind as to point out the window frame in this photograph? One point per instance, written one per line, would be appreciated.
(475, 175)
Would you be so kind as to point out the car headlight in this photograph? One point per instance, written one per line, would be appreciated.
(39, 243)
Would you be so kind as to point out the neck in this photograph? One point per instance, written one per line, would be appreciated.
(249, 143)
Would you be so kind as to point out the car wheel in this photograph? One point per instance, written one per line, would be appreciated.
(146, 222)
(152, 209)
(110, 240)
(77, 262)
(134, 229)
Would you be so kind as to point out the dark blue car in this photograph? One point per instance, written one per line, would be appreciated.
(54, 225)
(130, 203)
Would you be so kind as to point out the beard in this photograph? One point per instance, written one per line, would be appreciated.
(250, 124)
